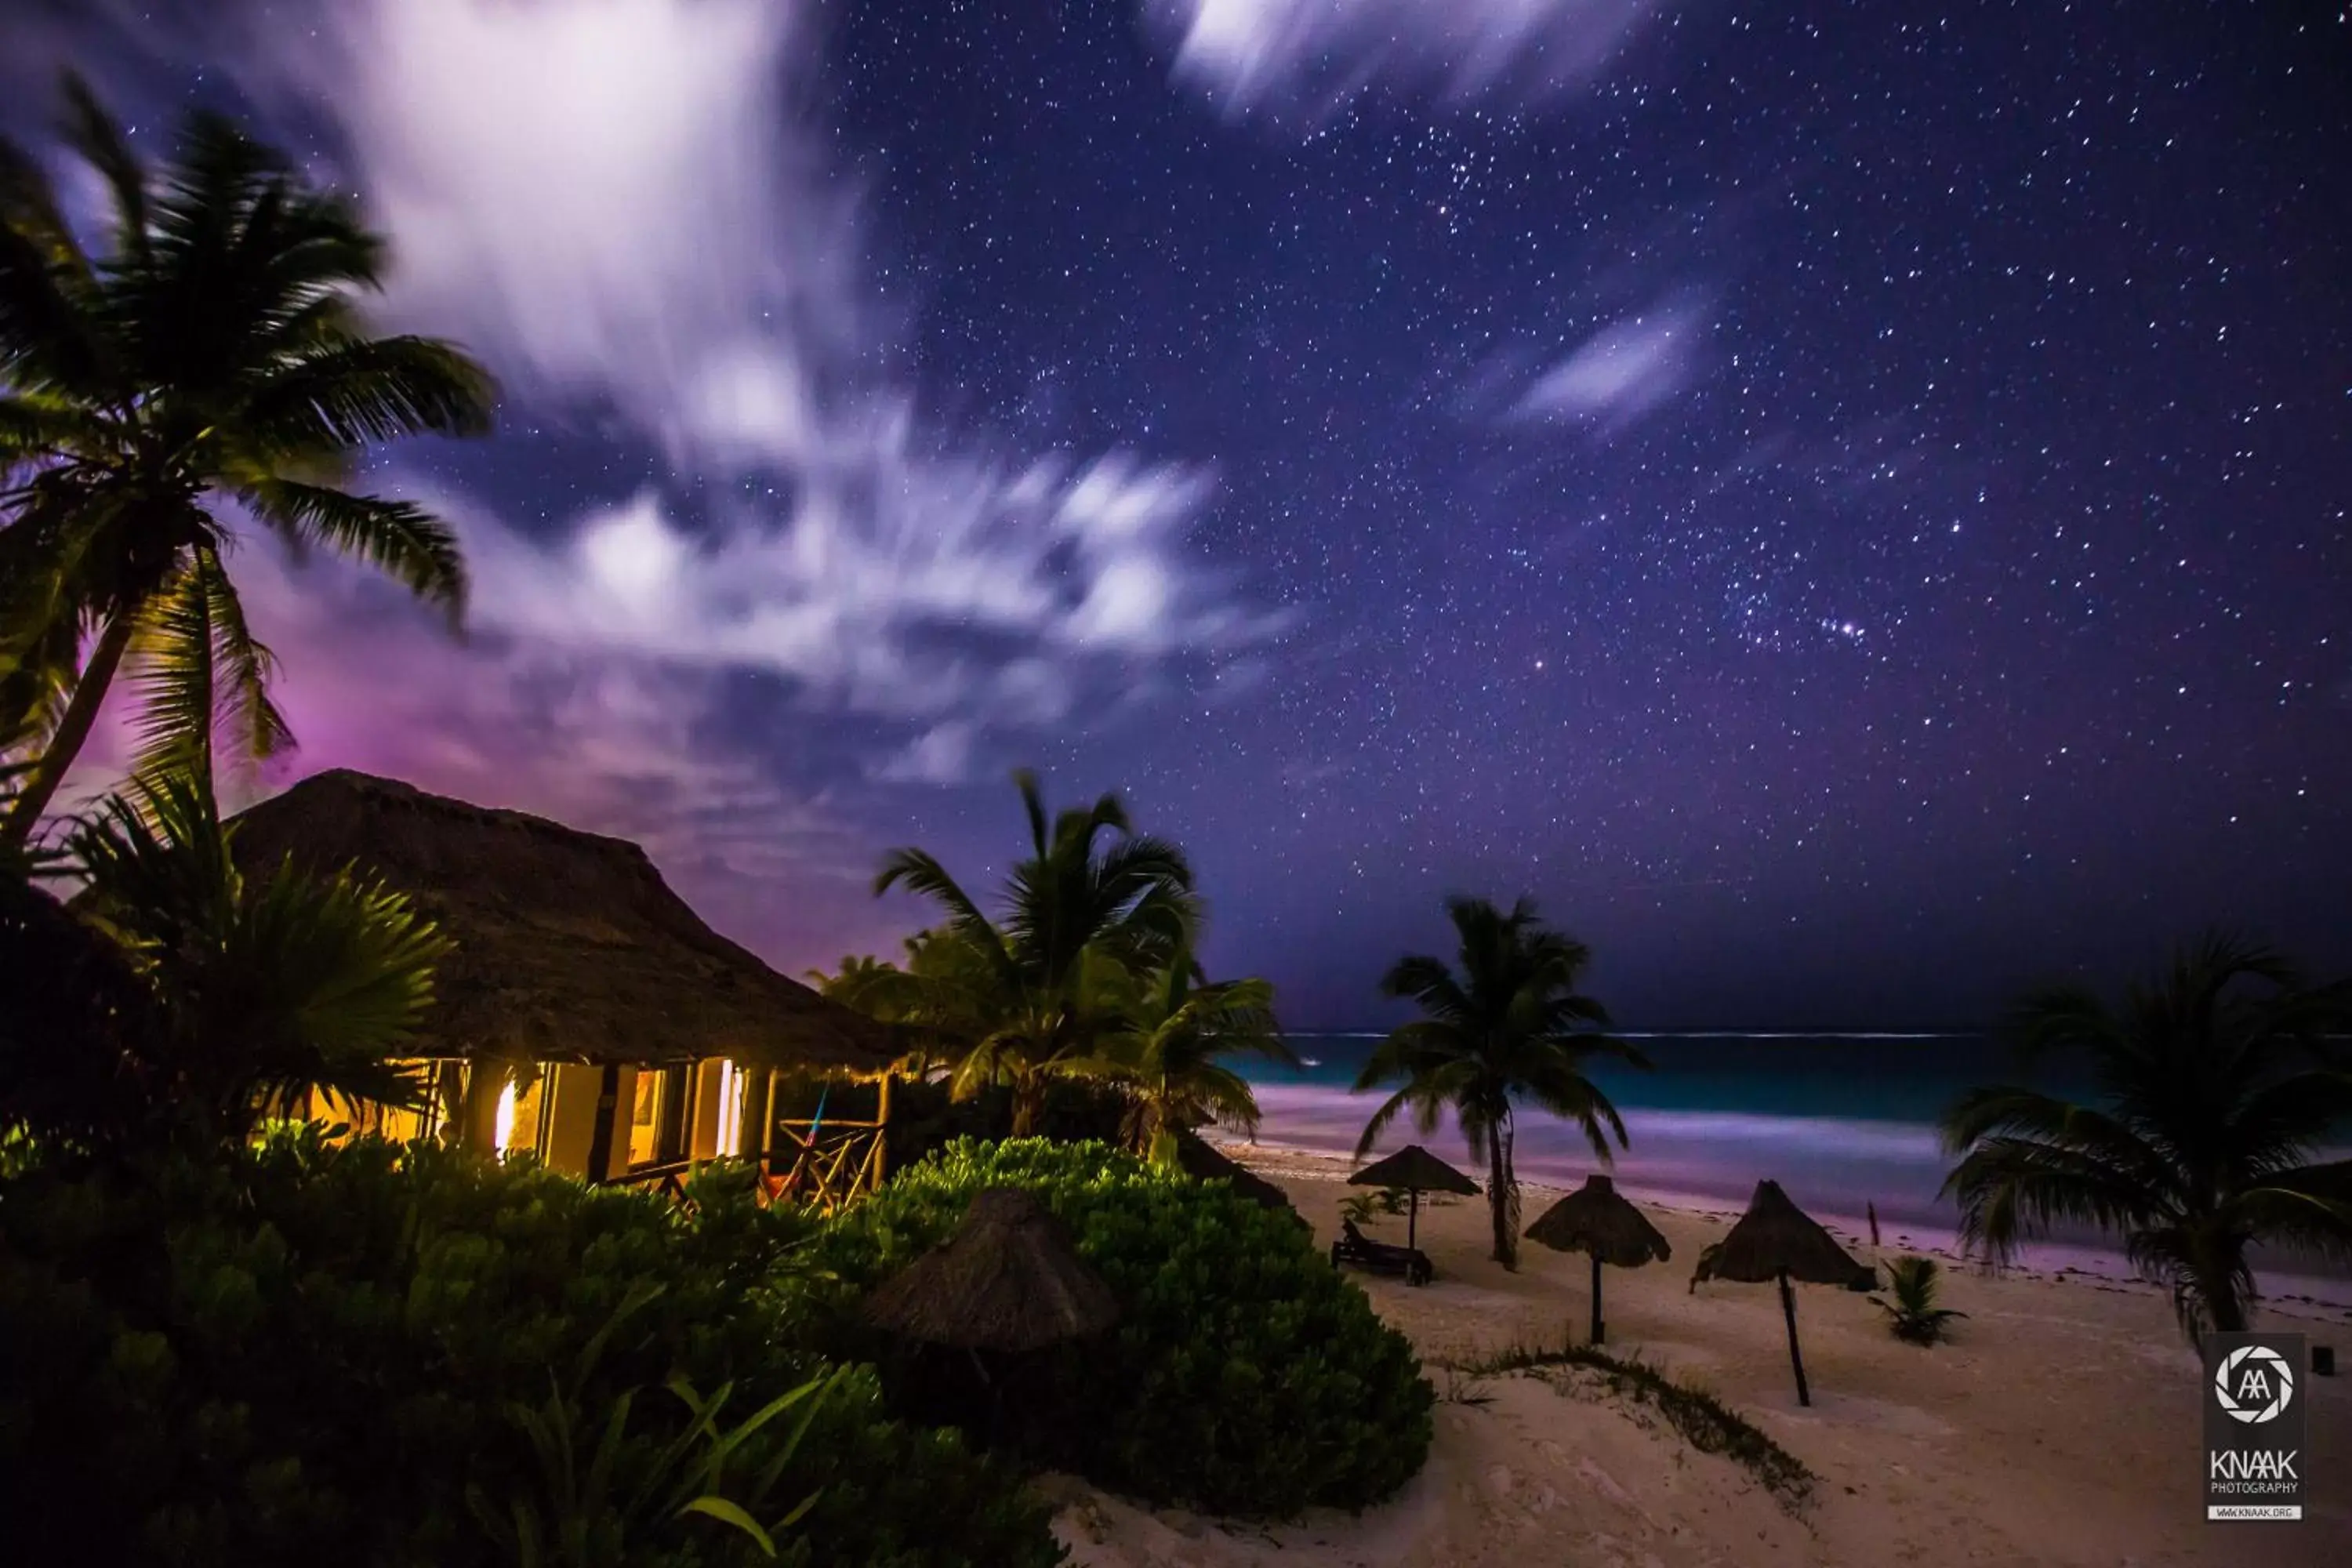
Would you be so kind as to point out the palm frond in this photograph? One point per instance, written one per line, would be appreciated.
(351, 393)
(397, 536)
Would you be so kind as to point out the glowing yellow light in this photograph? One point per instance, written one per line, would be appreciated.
(730, 1112)
(504, 1135)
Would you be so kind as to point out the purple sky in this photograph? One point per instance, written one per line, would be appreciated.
(1851, 515)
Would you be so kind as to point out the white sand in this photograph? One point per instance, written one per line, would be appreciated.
(2060, 1426)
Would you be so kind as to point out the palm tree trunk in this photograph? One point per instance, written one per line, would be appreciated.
(73, 730)
(1503, 1193)
(1028, 1105)
(2224, 1307)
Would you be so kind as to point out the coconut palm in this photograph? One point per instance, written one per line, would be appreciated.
(1510, 1026)
(210, 358)
(268, 986)
(1913, 1285)
(2218, 1084)
(1167, 1052)
(1033, 992)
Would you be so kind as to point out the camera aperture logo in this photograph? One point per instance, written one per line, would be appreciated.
(2255, 1461)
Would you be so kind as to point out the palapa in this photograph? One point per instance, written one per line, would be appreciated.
(1775, 1239)
(569, 945)
(1597, 1220)
(1008, 1280)
(1204, 1162)
(1417, 1170)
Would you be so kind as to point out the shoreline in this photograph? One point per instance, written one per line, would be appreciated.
(2281, 1289)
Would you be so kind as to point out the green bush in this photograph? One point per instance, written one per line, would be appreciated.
(1245, 1376)
(303, 1353)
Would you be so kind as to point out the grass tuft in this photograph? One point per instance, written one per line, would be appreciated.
(1704, 1422)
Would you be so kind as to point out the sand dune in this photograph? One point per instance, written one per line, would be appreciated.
(2061, 1428)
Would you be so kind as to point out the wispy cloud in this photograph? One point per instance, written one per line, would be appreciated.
(966, 590)
(1287, 55)
(628, 208)
(1619, 372)
(611, 201)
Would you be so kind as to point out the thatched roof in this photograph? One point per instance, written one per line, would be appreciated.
(1009, 1280)
(569, 946)
(1204, 1162)
(1415, 1168)
(1776, 1234)
(1598, 1219)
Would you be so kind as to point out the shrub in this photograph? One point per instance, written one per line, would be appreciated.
(1913, 1315)
(1244, 1377)
(305, 1353)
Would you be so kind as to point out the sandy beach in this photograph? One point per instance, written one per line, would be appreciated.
(2058, 1426)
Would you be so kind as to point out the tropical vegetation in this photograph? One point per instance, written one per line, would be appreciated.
(1509, 1025)
(1167, 1052)
(1245, 1375)
(1913, 1284)
(210, 366)
(2216, 1085)
(305, 1350)
(1086, 969)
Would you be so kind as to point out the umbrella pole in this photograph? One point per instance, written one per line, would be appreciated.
(995, 1400)
(1412, 1218)
(1596, 1298)
(1796, 1360)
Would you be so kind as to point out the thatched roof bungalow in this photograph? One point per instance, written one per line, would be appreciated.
(603, 1001)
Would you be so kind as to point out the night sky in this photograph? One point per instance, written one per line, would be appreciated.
(1850, 514)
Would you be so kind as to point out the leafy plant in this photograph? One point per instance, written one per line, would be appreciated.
(2220, 1085)
(1913, 1314)
(303, 1352)
(1244, 1376)
(1362, 1208)
(1511, 1026)
(598, 1514)
(209, 999)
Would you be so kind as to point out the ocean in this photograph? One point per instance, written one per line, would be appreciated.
(1844, 1121)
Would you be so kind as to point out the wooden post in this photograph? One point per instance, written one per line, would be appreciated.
(600, 1140)
(477, 1127)
(763, 1151)
(882, 1133)
(1596, 1298)
(1788, 1310)
(1412, 1218)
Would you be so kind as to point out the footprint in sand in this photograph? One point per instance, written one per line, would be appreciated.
(1600, 1481)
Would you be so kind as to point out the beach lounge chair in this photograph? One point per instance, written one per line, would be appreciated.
(1379, 1256)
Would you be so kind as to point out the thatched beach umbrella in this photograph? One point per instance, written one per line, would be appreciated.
(1417, 1170)
(1597, 1220)
(1775, 1239)
(1008, 1280)
(569, 946)
(1204, 1162)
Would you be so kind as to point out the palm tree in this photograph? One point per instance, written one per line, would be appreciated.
(211, 358)
(265, 986)
(1167, 1052)
(1510, 1026)
(2219, 1083)
(1030, 994)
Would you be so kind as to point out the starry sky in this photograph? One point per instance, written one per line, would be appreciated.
(1848, 512)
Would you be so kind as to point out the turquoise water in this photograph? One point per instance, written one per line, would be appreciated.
(1844, 1122)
